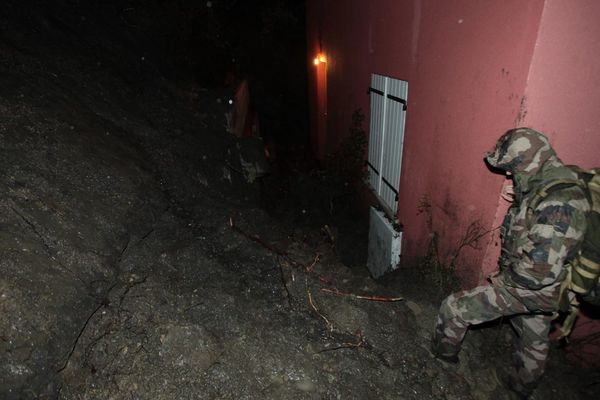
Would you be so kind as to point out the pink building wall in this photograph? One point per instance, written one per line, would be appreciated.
(467, 65)
(472, 60)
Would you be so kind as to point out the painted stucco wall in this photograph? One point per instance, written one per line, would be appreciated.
(467, 63)
(562, 97)
(471, 68)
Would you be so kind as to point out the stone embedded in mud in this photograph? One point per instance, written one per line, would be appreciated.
(306, 385)
(188, 346)
(414, 307)
(348, 317)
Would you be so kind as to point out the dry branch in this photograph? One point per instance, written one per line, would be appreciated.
(361, 342)
(267, 246)
(312, 304)
(361, 297)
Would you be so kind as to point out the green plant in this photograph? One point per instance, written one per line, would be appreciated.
(443, 276)
(348, 161)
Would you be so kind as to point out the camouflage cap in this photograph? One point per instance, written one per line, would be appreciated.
(520, 150)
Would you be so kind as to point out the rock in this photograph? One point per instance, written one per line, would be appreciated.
(414, 307)
(188, 347)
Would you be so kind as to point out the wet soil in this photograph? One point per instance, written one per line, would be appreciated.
(138, 264)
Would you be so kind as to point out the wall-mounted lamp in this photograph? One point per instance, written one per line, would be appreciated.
(320, 59)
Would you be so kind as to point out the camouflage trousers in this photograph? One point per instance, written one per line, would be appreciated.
(486, 303)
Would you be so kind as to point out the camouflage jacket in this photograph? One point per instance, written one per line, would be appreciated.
(535, 249)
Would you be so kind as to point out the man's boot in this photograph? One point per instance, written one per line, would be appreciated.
(444, 356)
(512, 384)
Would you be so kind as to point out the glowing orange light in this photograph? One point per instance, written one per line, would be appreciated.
(320, 58)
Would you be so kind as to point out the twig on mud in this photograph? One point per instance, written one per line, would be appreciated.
(123, 251)
(361, 297)
(312, 304)
(267, 246)
(49, 251)
(311, 267)
(89, 347)
(360, 343)
(193, 306)
(130, 284)
(284, 283)
(103, 303)
(327, 230)
(145, 236)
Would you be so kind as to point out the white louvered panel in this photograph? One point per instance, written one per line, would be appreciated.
(386, 138)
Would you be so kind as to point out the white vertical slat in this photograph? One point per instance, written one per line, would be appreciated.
(383, 137)
(386, 137)
(392, 151)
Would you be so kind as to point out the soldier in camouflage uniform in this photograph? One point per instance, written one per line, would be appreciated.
(535, 249)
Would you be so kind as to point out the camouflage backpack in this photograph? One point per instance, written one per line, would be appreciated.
(584, 269)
